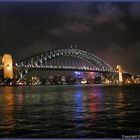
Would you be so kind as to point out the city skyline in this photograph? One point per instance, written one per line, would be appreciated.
(109, 30)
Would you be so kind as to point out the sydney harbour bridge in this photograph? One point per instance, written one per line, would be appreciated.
(57, 59)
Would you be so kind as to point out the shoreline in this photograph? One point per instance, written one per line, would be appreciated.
(82, 85)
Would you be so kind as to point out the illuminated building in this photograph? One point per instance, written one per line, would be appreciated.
(119, 71)
(83, 81)
(77, 73)
(7, 66)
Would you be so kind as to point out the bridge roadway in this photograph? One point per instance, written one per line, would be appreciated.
(69, 68)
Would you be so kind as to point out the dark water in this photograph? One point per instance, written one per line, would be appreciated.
(69, 111)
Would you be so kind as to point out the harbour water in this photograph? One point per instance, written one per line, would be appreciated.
(69, 111)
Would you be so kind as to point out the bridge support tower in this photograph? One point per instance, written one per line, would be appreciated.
(7, 69)
(119, 71)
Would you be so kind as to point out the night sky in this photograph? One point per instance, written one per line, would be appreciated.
(109, 30)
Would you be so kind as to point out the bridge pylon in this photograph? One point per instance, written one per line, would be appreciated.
(120, 75)
(7, 68)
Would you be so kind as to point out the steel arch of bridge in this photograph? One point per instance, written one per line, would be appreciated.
(39, 61)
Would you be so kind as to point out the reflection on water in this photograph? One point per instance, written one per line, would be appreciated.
(120, 99)
(69, 111)
(78, 103)
(78, 109)
(8, 107)
(20, 101)
(95, 96)
(120, 105)
(92, 105)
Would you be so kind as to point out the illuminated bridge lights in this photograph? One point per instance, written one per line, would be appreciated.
(67, 59)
